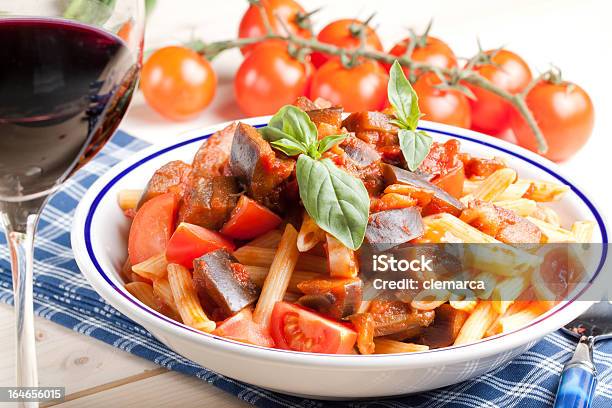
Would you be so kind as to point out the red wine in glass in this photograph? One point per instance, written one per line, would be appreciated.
(64, 87)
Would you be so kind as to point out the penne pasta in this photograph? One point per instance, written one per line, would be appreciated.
(152, 268)
(548, 215)
(258, 276)
(493, 186)
(463, 232)
(469, 186)
(342, 260)
(495, 327)
(310, 234)
(465, 301)
(186, 298)
(255, 256)
(506, 292)
(545, 191)
(515, 190)
(552, 233)
(129, 199)
(278, 278)
(429, 299)
(268, 240)
(161, 288)
(476, 324)
(493, 258)
(521, 206)
(386, 346)
(489, 280)
(144, 292)
(523, 317)
(583, 231)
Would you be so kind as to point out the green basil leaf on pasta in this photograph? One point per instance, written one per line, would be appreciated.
(415, 146)
(338, 202)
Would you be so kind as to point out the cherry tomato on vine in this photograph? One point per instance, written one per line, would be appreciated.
(490, 113)
(269, 78)
(564, 113)
(360, 88)
(178, 82)
(428, 50)
(345, 33)
(448, 106)
(289, 12)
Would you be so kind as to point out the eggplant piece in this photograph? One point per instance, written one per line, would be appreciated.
(337, 298)
(369, 121)
(209, 201)
(305, 104)
(445, 328)
(388, 229)
(212, 157)
(225, 281)
(332, 116)
(363, 162)
(398, 317)
(260, 171)
(361, 153)
(441, 200)
(171, 177)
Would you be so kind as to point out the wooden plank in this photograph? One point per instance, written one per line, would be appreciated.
(67, 358)
(169, 389)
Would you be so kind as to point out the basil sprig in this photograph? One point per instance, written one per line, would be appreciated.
(338, 202)
(292, 132)
(415, 144)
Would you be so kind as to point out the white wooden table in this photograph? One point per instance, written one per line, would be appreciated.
(569, 33)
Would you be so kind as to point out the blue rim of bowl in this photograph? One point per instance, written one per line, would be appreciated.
(96, 201)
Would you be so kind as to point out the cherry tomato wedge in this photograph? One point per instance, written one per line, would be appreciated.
(152, 227)
(192, 241)
(241, 327)
(249, 220)
(296, 328)
(452, 181)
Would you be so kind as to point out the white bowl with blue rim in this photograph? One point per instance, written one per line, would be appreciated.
(99, 241)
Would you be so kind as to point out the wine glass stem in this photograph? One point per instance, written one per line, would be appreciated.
(21, 244)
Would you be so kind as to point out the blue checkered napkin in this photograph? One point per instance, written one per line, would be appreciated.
(63, 296)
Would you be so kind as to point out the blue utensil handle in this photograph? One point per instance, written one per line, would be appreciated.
(576, 388)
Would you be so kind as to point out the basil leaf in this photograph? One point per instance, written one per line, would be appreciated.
(291, 123)
(403, 98)
(289, 147)
(330, 141)
(338, 202)
(415, 146)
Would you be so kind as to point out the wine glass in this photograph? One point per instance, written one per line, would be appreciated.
(68, 71)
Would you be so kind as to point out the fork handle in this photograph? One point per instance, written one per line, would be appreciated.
(578, 379)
